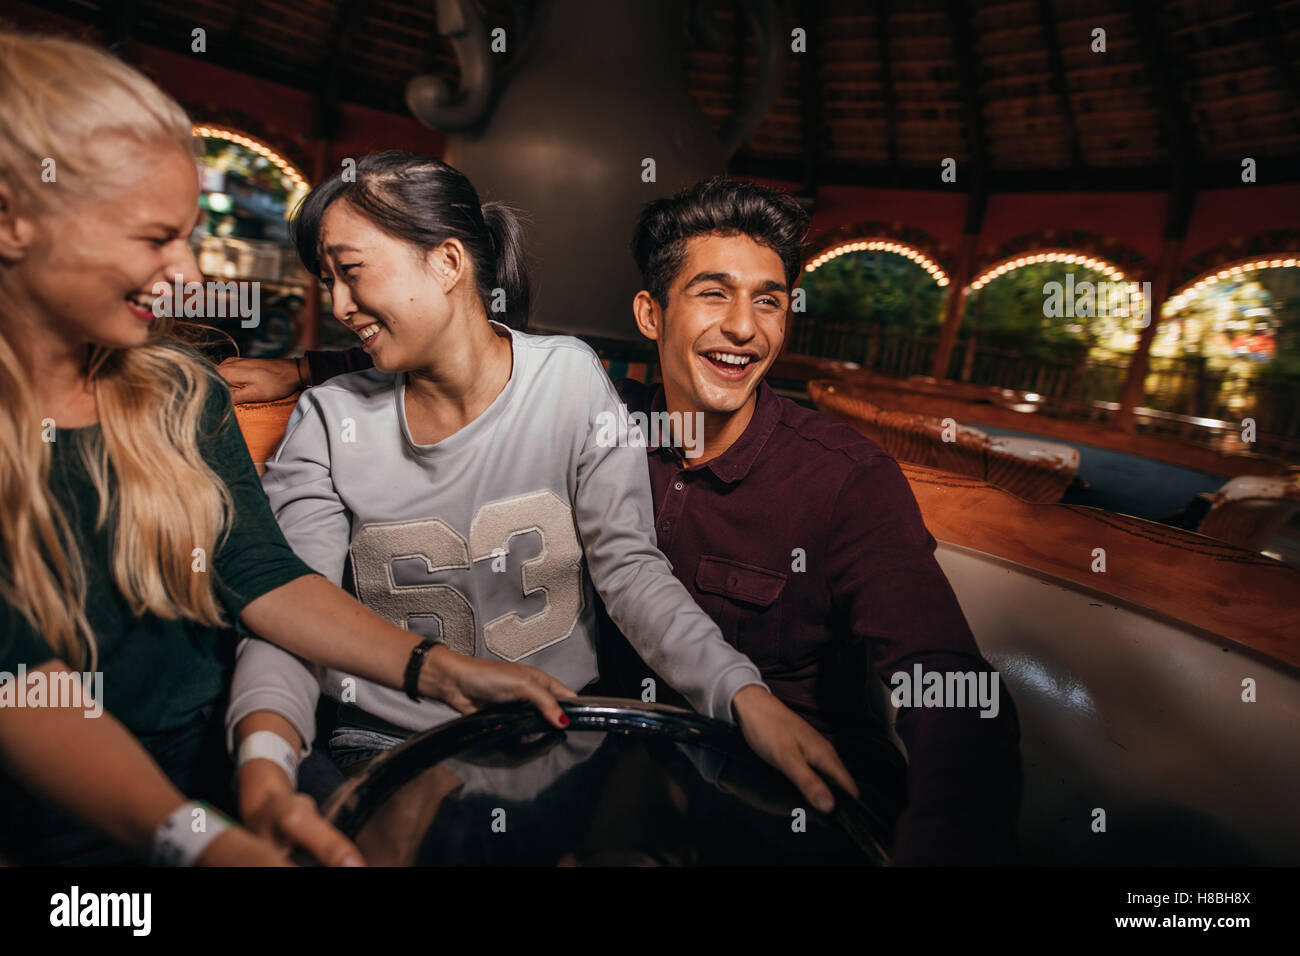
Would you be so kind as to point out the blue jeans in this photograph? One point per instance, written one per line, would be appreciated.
(349, 745)
(32, 832)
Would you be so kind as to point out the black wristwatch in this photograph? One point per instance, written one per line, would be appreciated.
(418, 654)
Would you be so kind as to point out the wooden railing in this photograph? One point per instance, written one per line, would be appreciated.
(1184, 396)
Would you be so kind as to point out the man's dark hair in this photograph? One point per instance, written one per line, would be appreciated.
(718, 206)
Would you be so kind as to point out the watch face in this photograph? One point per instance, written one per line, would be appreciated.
(625, 784)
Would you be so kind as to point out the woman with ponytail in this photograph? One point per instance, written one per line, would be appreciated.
(478, 486)
(134, 534)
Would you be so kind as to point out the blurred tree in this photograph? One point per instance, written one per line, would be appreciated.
(862, 288)
(1242, 335)
(1011, 312)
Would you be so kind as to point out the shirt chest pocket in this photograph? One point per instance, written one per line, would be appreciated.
(745, 600)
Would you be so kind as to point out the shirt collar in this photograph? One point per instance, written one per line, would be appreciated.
(736, 462)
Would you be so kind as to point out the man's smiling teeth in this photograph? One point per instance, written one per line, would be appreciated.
(368, 331)
(729, 358)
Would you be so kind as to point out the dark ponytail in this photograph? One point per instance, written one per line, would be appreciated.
(426, 202)
(507, 235)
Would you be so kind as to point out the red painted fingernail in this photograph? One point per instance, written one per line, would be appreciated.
(564, 720)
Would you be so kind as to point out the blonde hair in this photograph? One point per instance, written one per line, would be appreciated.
(69, 102)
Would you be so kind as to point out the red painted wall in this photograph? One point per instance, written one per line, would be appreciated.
(1133, 218)
(1224, 214)
(939, 213)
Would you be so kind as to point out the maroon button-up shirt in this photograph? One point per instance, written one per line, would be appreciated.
(804, 542)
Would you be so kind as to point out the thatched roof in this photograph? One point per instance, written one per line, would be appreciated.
(886, 90)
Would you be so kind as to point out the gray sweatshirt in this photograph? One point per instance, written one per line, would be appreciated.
(489, 540)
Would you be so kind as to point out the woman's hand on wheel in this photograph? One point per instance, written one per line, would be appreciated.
(238, 847)
(288, 820)
(470, 683)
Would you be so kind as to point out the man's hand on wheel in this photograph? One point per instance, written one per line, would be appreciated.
(789, 743)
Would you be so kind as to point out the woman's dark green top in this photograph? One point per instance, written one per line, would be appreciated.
(157, 673)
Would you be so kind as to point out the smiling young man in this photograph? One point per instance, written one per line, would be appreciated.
(800, 536)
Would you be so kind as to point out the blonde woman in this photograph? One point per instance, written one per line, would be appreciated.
(133, 530)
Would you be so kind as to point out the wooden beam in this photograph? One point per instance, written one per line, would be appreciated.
(812, 118)
(963, 48)
(888, 95)
(1282, 169)
(1052, 46)
(954, 305)
(963, 43)
(326, 114)
(1184, 159)
(1140, 361)
(1270, 30)
(235, 33)
(737, 57)
(1166, 69)
(326, 118)
(119, 25)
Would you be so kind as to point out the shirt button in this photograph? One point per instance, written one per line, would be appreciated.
(678, 486)
(666, 525)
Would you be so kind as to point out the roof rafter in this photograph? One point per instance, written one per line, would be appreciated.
(889, 95)
(812, 118)
(1166, 69)
(963, 43)
(1270, 28)
(1047, 22)
(326, 113)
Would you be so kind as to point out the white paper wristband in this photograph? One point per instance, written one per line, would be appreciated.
(184, 835)
(268, 745)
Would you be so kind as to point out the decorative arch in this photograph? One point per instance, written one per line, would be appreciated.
(1277, 248)
(914, 244)
(286, 166)
(1115, 260)
(987, 275)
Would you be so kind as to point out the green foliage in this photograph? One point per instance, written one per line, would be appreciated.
(1009, 313)
(862, 288)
